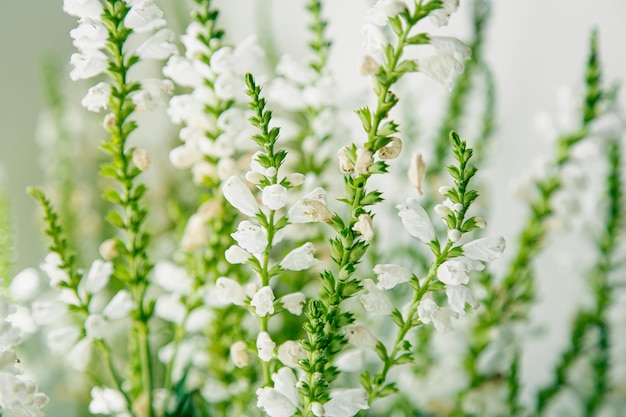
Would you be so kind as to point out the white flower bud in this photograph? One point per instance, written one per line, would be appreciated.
(274, 196)
(108, 249)
(120, 306)
(239, 195)
(24, 286)
(239, 354)
(236, 255)
(295, 179)
(453, 272)
(98, 276)
(416, 220)
(360, 336)
(97, 97)
(141, 159)
(364, 160)
(265, 346)
(443, 190)
(369, 66)
(170, 308)
(443, 211)
(318, 409)
(345, 166)
(250, 237)
(263, 301)
(159, 46)
(293, 302)
(364, 226)
(61, 340)
(203, 170)
(454, 235)
(109, 121)
(144, 16)
(392, 150)
(46, 313)
(374, 300)
(270, 172)
(481, 223)
(458, 296)
(390, 275)
(300, 258)
(290, 352)
(457, 207)
(417, 172)
(229, 291)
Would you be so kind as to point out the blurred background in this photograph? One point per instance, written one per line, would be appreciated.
(534, 48)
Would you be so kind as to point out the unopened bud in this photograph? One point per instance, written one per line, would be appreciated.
(417, 171)
(295, 179)
(480, 222)
(140, 159)
(392, 150)
(109, 121)
(108, 249)
(454, 235)
(345, 166)
(364, 160)
(369, 66)
(443, 190)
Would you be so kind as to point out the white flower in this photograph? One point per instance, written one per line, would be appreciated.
(392, 149)
(364, 160)
(451, 46)
(293, 302)
(182, 72)
(152, 95)
(24, 285)
(453, 271)
(364, 226)
(360, 336)
(285, 383)
(374, 300)
(380, 12)
(61, 340)
(295, 71)
(229, 291)
(274, 403)
(310, 208)
(144, 16)
(428, 311)
(106, 401)
(198, 319)
(290, 352)
(485, 249)
(300, 258)
(263, 301)
(240, 196)
(120, 306)
(97, 97)
(194, 47)
(90, 34)
(46, 313)
(390, 275)
(96, 326)
(79, 357)
(184, 156)
(417, 172)
(440, 17)
(88, 64)
(236, 255)
(274, 196)
(345, 166)
(170, 308)
(458, 296)
(250, 237)
(158, 46)
(265, 346)
(285, 95)
(416, 220)
(441, 68)
(51, 266)
(91, 9)
(239, 354)
(374, 39)
(172, 278)
(98, 276)
(318, 409)
(346, 402)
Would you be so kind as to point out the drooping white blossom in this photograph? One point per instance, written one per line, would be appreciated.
(300, 258)
(374, 299)
(25, 285)
(453, 271)
(120, 306)
(229, 291)
(250, 237)
(458, 296)
(428, 311)
(98, 276)
(88, 64)
(172, 278)
(441, 68)
(240, 196)
(158, 46)
(390, 275)
(265, 346)
(263, 301)
(440, 17)
(360, 336)
(107, 401)
(236, 255)
(52, 267)
(416, 220)
(293, 302)
(346, 402)
(144, 16)
(91, 9)
(90, 34)
(485, 249)
(97, 97)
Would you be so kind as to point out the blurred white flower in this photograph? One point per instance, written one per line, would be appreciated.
(144, 16)
(485, 249)
(346, 402)
(96, 327)
(265, 346)
(374, 39)
(374, 300)
(293, 302)
(170, 308)
(172, 278)
(239, 354)
(120, 306)
(453, 271)
(311, 208)
(441, 68)
(25, 285)
(441, 16)
(236, 255)
(158, 46)
(98, 276)
(229, 291)
(417, 172)
(300, 258)
(88, 64)
(107, 401)
(52, 267)
(91, 9)
(390, 275)
(360, 336)
(458, 296)
(416, 220)
(46, 313)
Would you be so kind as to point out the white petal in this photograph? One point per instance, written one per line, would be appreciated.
(263, 301)
(374, 300)
(391, 275)
(416, 220)
(486, 249)
(240, 196)
(300, 258)
(346, 402)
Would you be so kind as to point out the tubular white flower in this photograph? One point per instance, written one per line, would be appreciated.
(454, 235)
(485, 249)
(300, 258)
(417, 172)
(428, 311)
(263, 301)
(194, 47)
(88, 64)
(97, 97)
(295, 179)
(375, 41)
(265, 346)
(172, 278)
(25, 285)
(239, 354)
(120, 306)
(236, 255)
(91, 9)
(360, 336)
(293, 302)
(285, 383)
(441, 68)
(51, 266)
(274, 403)
(364, 226)
(152, 95)
(106, 401)
(46, 313)
(240, 196)
(453, 272)
(390, 275)
(295, 71)
(96, 327)
(158, 46)
(170, 308)
(346, 402)
(374, 300)
(182, 72)
(318, 409)
(98, 276)
(451, 46)
(61, 340)
(229, 291)
(310, 208)
(416, 220)
(380, 12)
(458, 296)
(274, 196)
(250, 237)
(144, 16)
(90, 34)
(184, 156)
(290, 352)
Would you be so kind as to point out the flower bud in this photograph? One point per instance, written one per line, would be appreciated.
(108, 249)
(345, 166)
(417, 171)
(239, 354)
(392, 150)
(364, 160)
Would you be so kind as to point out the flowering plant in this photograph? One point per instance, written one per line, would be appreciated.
(283, 260)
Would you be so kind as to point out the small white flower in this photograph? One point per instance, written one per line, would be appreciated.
(293, 302)
(144, 16)
(364, 226)
(194, 47)
(51, 266)
(352, 360)
(454, 235)
(88, 64)
(170, 308)
(46, 313)
(441, 68)
(318, 409)
(345, 166)
(107, 401)
(240, 196)
(120, 306)
(184, 156)
(236, 255)
(172, 278)
(182, 72)
(222, 60)
(152, 95)
(364, 160)
(98, 276)
(295, 179)
(375, 41)
(97, 97)
(453, 272)
(61, 340)
(274, 403)
(380, 12)
(417, 172)
(285, 383)
(360, 336)
(239, 354)
(79, 357)
(96, 327)
(346, 402)
(416, 220)
(485, 249)
(158, 46)
(263, 301)
(300, 258)
(91, 9)
(25, 285)
(90, 34)
(295, 71)
(250, 237)
(265, 346)
(458, 296)
(196, 234)
(311, 208)
(229, 291)
(274, 196)
(390, 275)
(428, 311)
(374, 300)
(451, 46)
(290, 352)
(198, 319)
